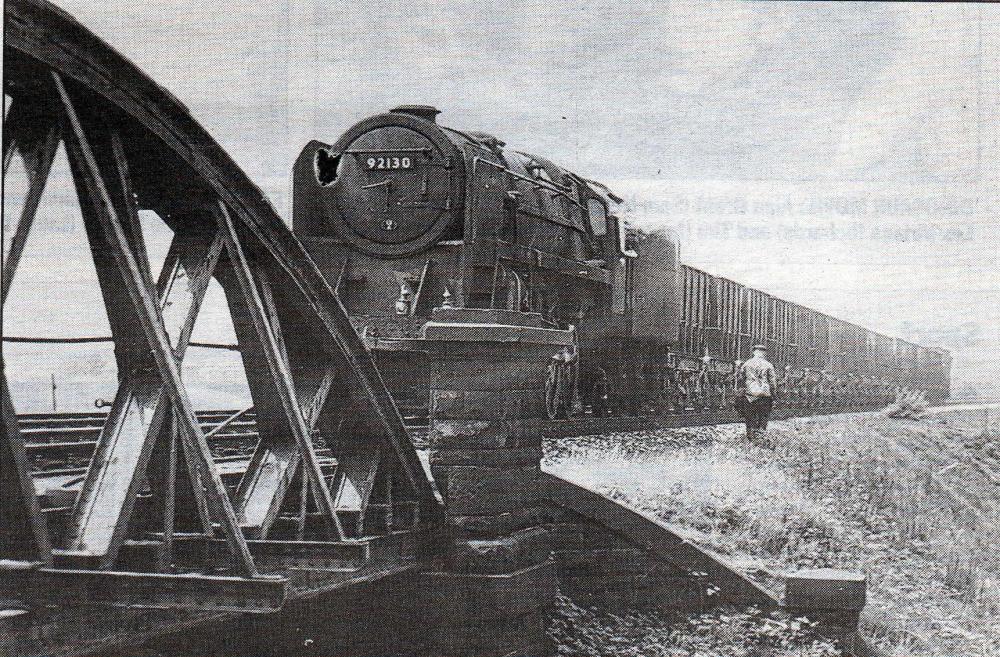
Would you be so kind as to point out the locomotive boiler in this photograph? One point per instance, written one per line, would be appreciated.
(404, 215)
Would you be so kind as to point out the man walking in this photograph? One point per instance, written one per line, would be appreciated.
(759, 384)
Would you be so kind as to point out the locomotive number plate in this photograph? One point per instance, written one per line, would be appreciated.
(384, 163)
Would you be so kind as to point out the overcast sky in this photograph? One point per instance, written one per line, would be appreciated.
(841, 155)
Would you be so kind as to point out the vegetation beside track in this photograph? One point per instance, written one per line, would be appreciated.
(911, 503)
(590, 632)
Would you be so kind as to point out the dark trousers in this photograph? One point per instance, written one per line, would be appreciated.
(757, 412)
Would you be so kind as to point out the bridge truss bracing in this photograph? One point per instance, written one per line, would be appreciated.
(154, 525)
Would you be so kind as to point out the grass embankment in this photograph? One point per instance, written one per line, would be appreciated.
(913, 504)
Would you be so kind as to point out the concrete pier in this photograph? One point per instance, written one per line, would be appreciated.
(496, 582)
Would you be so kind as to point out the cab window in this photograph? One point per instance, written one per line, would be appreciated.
(598, 215)
(625, 241)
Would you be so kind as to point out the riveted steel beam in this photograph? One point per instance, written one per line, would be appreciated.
(263, 594)
(102, 513)
(144, 305)
(260, 307)
(281, 556)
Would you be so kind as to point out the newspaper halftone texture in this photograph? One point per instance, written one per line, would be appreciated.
(842, 156)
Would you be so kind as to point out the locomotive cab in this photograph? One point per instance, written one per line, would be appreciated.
(606, 224)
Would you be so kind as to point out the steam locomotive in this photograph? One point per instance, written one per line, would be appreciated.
(404, 215)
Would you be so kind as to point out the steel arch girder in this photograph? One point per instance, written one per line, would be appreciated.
(47, 35)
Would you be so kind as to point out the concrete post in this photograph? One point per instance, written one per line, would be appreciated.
(497, 583)
(832, 598)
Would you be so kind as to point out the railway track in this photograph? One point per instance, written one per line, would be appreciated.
(60, 444)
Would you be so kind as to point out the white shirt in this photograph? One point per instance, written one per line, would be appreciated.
(758, 378)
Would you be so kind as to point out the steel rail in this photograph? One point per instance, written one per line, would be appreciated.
(577, 426)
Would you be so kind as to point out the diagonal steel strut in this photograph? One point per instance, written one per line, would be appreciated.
(264, 318)
(23, 532)
(150, 319)
(37, 145)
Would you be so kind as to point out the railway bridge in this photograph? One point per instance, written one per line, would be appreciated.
(157, 538)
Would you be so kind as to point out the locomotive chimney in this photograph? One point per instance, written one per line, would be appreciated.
(425, 112)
